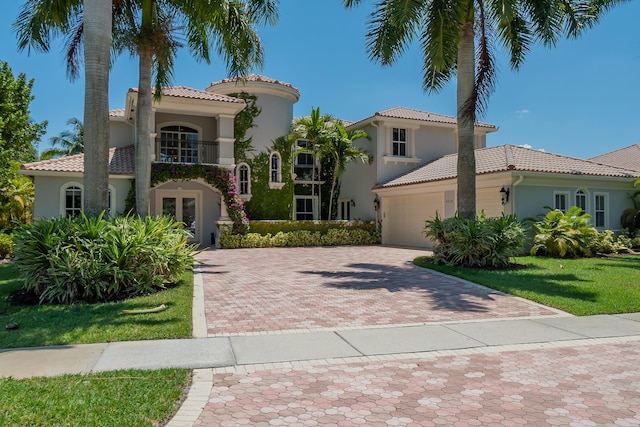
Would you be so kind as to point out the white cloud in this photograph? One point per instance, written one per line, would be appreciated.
(522, 113)
(531, 147)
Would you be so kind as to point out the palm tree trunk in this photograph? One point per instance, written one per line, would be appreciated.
(466, 122)
(333, 189)
(143, 117)
(97, 45)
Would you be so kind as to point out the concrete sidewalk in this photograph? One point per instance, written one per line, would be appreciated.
(270, 348)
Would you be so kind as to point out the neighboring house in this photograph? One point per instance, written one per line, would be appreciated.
(192, 126)
(510, 179)
(627, 158)
(401, 139)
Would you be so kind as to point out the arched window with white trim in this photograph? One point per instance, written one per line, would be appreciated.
(72, 201)
(275, 171)
(243, 178)
(581, 200)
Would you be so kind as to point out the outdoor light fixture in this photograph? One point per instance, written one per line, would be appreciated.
(376, 204)
(353, 203)
(504, 195)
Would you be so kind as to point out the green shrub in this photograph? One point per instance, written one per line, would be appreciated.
(475, 242)
(273, 227)
(6, 246)
(297, 238)
(563, 235)
(606, 242)
(95, 259)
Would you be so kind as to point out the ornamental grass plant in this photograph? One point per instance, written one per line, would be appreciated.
(65, 260)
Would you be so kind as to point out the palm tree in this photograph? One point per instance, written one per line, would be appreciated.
(150, 29)
(68, 143)
(40, 20)
(16, 201)
(339, 147)
(316, 130)
(228, 24)
(448, 31)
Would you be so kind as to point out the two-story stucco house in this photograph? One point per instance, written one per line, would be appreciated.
(411, 177)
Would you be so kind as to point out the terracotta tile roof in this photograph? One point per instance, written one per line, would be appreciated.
(121, 162)
(423, 116)
(187, 92)
(627, 158)
(254, 78)
(506, 158)
(116, 113)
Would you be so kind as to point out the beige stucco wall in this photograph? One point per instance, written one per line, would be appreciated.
(208, 211)
(49, 194)
(121, 134)
(273, 122)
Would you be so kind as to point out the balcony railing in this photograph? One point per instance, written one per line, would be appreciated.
(186, 151)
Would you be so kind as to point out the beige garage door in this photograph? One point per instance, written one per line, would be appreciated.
(405, 216)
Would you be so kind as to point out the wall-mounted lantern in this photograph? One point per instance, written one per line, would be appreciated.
(504, 195)
(376, 204)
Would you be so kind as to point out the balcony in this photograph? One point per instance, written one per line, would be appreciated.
(186, 151)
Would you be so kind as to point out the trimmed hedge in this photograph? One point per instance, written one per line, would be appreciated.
(302, 233)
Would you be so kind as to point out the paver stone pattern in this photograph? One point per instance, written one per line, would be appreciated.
(276, 289)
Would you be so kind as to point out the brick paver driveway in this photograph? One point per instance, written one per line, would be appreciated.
(275, 289)
(596, 385)
(587, 383)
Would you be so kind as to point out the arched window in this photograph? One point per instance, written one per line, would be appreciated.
(243, 177)
(276, 175)
(581, 200)
(72, 201)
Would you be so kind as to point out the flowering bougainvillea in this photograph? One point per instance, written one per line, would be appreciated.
(222, 179)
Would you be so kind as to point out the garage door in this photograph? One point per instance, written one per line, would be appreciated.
(405, 216)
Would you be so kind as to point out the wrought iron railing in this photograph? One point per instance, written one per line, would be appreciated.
(186, 151)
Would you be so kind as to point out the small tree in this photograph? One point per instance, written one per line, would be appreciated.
(339, 146)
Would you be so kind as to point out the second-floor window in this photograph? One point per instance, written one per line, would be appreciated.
(178, 144)
(399, 142)
(304, 159)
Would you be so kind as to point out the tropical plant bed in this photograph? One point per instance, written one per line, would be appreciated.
(119, 398)
(580, 286)
(82, 323)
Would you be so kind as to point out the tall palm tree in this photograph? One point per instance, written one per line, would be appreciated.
(68, 143)
(151, 30)
(39, 21)
(340, 148)
(97, 51)
(448, 31)
(316, 130)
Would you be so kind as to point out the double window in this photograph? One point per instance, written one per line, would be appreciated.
(399, 142)
(304, 159)
(561, 201)
(581, 200)
(600, 210)
(304, 207)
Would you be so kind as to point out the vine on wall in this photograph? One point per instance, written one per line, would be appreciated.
(268, 203)
(220, 178)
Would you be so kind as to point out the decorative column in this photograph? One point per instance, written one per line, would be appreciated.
(225, 140)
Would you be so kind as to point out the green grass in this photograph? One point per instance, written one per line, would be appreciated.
(90, 323)
(582, 286)
(120, 398)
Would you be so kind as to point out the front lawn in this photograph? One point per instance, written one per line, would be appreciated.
(581, 286)
(120, 398)
(43, 325)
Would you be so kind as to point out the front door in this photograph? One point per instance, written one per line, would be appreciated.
(183, 206)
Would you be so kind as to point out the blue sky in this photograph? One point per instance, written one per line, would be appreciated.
(581, 98)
